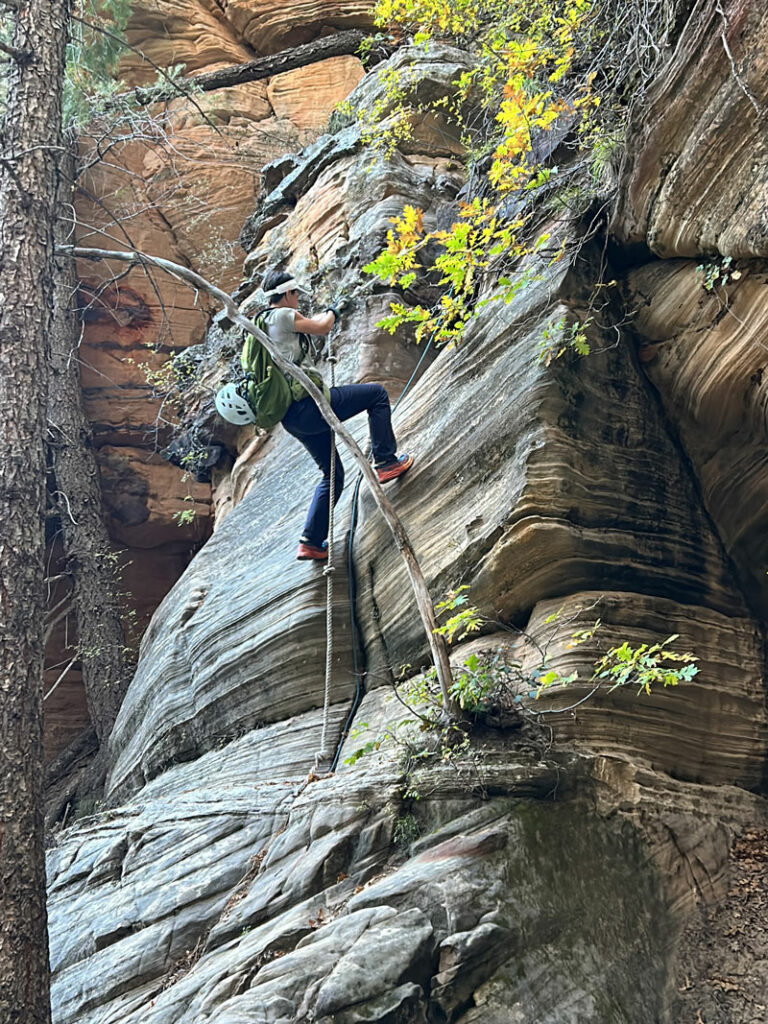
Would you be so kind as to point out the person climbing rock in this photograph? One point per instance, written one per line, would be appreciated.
(288, 329)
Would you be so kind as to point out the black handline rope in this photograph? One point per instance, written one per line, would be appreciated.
(352, 582)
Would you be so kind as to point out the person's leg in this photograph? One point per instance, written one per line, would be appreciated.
(316, 524)
(306, 424)
(351, 399)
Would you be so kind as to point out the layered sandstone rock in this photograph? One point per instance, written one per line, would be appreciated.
(307, 908)
(273, 25)
(202, 34)
(180, 186)
(695, 173)
(704, 349)
(564, 866)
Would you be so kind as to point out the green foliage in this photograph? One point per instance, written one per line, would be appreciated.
(467, 620)
(523, 54)
(479, 682)
(644, 666)
(538, 65)
(717, 272)
(93, 52)
(175, 381)
(559, 338)
(186, 516)
(495, 689)
(406, 830)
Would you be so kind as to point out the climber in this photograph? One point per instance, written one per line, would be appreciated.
(287, 328)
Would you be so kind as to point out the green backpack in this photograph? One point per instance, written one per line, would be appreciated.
(268, 391)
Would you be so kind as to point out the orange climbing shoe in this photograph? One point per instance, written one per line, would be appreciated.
(394, 469)
(308, 551)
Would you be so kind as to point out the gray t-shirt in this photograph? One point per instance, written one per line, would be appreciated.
(279, 324)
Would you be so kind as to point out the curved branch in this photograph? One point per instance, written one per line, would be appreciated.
(421, 592)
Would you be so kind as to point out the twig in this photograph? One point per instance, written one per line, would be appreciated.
(69, 666)
(20, 56)
(177, 88)
(69, 508)
(52, 623)
(8, 165)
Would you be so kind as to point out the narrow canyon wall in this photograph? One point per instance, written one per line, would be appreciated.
(589, 865)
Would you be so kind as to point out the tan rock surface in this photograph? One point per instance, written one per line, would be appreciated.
(307, 96)
(696, 172)
(707, 358)
(272, 25)
(144, 496)
(195, 33)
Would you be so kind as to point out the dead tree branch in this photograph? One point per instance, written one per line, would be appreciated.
(61, 676)
(20, 56)
(421, 593)
(339, 45)
(734, 70)
(174, 88)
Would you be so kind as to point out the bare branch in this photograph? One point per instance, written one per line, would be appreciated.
(51, 620)
(734, 70)
(420, 590)
(20, 56)
(68, 667)
(338, 45)
(177, 89)
(8, 165)
(32, 149)
(55, 494)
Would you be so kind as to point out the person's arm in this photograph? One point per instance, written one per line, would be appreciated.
(319, 325)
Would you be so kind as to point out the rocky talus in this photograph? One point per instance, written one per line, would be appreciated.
(603, 864)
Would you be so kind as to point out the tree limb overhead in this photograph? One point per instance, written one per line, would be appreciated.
(338, 45)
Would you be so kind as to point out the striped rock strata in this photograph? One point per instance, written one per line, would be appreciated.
(696, 170)
(182, 185)
(576, 876)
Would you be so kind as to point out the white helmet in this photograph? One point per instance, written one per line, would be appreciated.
(233, 407)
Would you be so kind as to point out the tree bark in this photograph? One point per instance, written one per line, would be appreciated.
(87, 547)
(31, 145)
(421, 593)
(337, 45)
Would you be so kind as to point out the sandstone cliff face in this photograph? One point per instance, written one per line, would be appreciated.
(579, 875)
(182, 185)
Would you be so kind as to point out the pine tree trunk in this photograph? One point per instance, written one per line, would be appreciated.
(30, 148)
(87, 547)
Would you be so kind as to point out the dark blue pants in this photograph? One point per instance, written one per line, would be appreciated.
(304, 421)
